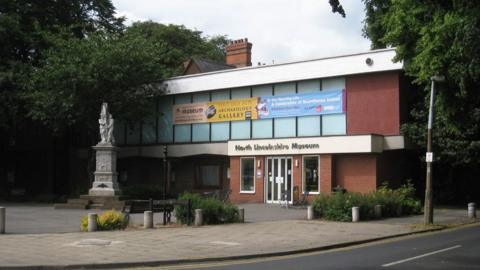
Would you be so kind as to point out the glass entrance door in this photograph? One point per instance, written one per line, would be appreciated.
(278, 179)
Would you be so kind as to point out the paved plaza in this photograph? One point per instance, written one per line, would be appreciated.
(269, 230)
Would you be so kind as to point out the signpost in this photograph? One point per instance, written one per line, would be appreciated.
(428, 211)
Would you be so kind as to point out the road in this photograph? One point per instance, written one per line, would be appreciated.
(452, 249)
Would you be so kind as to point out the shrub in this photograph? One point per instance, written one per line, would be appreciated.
(214, 210)
(338, 206)
(107, 221)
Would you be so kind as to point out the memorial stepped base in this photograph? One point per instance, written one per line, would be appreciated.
(93, 202)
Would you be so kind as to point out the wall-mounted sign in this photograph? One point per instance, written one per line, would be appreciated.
(325, 102)
(316, 145)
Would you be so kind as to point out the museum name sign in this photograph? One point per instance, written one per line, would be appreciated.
(276, 147)
(315, 145)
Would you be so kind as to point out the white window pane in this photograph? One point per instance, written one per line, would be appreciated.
(165, 125)
(221, 95)
(309, 86)
(183, 99)
(182, 133)
(220, 131)
(243, 92)
(284, 127)
(241, 129)
(284, 89)
(201, 97)
(200, 132)
(333, 83)
(333, 124)
(309, 126)
(262, 128)
(262, 90)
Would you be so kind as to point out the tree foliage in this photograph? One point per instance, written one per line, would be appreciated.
(436, 37)
(124, 69)
(28, 29)
(61, 59)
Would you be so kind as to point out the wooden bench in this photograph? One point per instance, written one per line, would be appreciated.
(156, 206)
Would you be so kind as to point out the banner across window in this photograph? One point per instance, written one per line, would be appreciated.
(325, 102)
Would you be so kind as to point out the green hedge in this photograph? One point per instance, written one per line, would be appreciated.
(395, 202)
(214, 210)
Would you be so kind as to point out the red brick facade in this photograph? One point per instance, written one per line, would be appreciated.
(238, 197)
(297, 165)
(356, 172)
(373, 104)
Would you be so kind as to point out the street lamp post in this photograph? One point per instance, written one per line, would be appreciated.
(165, 180)
(428, 211)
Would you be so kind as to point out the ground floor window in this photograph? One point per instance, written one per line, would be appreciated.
(208, 176)
(247, 175)
(310, 174)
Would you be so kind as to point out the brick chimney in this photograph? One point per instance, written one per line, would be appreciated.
(239, 53)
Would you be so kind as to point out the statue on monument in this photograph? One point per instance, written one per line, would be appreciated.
(105, 175)
(106, 123)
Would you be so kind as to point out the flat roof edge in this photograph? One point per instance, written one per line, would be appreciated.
(336, 66)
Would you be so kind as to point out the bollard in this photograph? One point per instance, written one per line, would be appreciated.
(92, 222)
(198, 217)
(472, 211)
(377, 211)
(147, 219)
(310, 214)
(355, 214)
(241, 215)
(2, 220)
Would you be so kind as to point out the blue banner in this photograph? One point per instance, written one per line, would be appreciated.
(324, 102)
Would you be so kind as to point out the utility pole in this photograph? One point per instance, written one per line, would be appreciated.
(428, 211)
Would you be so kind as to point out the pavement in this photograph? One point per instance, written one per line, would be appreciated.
(270, 230)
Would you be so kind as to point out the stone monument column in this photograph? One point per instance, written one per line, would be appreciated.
(105, 183)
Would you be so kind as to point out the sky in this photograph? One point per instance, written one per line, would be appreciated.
(280, 30)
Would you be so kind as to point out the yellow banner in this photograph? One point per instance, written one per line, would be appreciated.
(232, 110)
(215, 111)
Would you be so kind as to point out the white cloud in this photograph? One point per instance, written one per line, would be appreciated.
(280, 30)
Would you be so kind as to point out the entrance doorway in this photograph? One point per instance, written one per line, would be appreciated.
(278, 179)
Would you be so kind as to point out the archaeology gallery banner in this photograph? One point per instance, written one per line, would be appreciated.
(326, 102)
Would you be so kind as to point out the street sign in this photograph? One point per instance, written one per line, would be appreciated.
(429, 157)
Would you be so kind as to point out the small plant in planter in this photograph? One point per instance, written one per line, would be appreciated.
(107, 221)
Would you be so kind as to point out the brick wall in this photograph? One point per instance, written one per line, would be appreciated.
(236, 196)
(326, 174)
(356, 172)
(373, 103)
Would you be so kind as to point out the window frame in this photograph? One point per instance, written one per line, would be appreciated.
(241, 176)
(303, 175)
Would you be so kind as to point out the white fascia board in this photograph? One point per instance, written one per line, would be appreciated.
(304, 70)
(326, 145)
(306, 146)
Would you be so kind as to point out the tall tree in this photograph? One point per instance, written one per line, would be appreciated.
(437, 37)
(123, 69)
(28, 28)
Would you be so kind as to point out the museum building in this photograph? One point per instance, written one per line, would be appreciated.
(271, 132)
